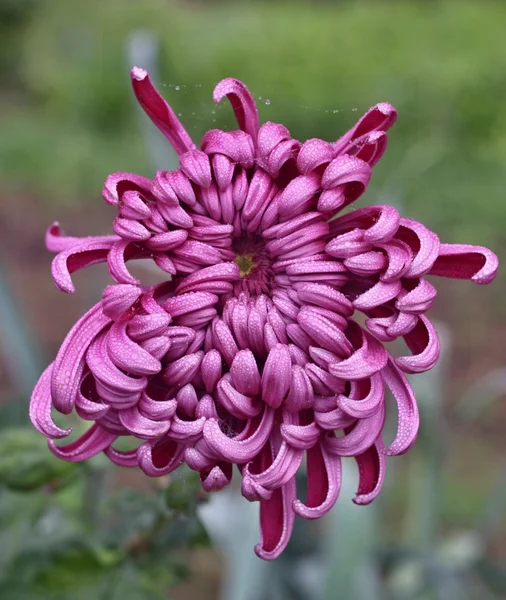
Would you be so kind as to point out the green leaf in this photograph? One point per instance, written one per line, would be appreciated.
(26, 464)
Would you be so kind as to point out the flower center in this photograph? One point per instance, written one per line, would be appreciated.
(245, 262)
(254, 266)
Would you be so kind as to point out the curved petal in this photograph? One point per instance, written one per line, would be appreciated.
(323, 483)
(244, 450)
(358, 406)
(159, 111)
(378, 118)
(242, 103)
(371, 467)
(408, 420)
(140, 426)
(78, 256)
(424, 244)
(56, 241)
(423, 341)
(370, 358)
(359, 438)
(69, 362)
(120, 458)
(460, 261)
(89, 444)
(276, 517)
(160, 457)
(128, 355)
(40, 408)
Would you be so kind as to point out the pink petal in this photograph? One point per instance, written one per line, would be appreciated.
(368, 359)
(408, 421)
(69, 363)
(244, 450)
(159, 111)
(365, 397)
(360, 437)
(89, 444)
(160, 457)
(323, 483)
(40, 408)
(117, 299)
(276, 376)
(276, 520)
(128, 355)
(371, 467)
(118, 183)
(378, 118)
(424, 344)
(460, 261)
(77, 257)
(423, 243)
(242, 103)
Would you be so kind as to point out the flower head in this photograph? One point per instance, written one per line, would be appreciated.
(250, 354)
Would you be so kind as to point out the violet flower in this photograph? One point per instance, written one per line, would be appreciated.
(250, 353)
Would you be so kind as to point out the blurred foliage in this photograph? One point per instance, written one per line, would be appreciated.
(68, 531)
(440, 63)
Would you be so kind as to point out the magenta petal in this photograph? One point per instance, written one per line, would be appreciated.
(160, 457)
(245, 375)
(370, 358)
(140, 426)
(276, 521)
(77, 257)
(242, 103)
(244, 450)
(371, 468)
(300, 436)
(424, 343)
(237, 404)
(378, 118)
(217, 478)
(40, 408)
(69, 363)
(159, 111)
(409, 420)
(117, 299)
(276, 376)
(120, 458)
(460, 261)
(360, 437)
(128, 355)
(424, 244)
(89, 444)
(323, 483)
(157, 410)
(365, 398)
(280, 471)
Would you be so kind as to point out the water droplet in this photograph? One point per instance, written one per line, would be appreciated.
(336, 110)
(177, 88)
(354, 109)
(179, 114)
(267, 101)
(260, 98)
(213, 112)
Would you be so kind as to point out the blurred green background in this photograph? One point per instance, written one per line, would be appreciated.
(68, 118)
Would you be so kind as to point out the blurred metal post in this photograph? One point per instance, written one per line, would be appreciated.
(142, 50)
(17, 347)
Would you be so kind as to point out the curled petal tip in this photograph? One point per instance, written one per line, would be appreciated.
(242, 103)
(159, 111)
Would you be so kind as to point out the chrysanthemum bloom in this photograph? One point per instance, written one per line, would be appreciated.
(250, 353)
